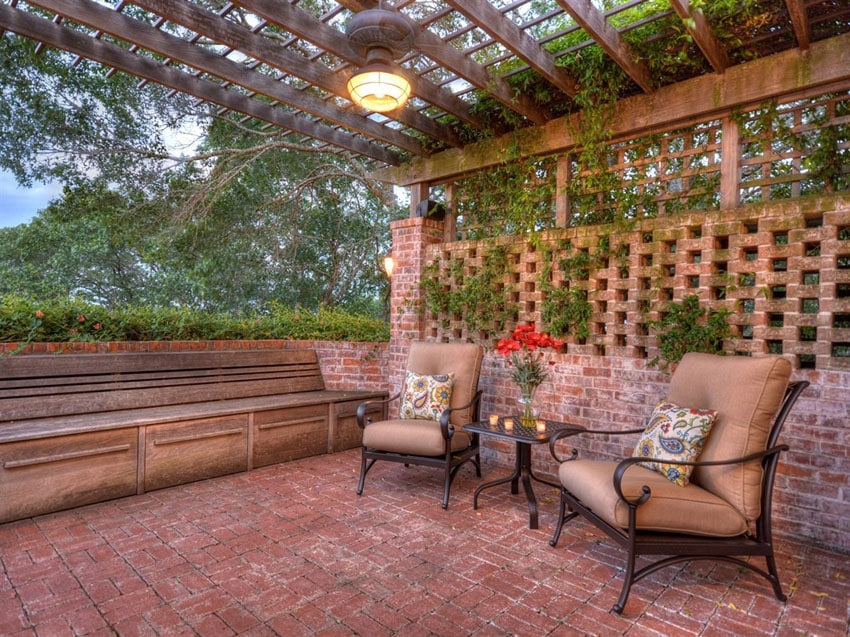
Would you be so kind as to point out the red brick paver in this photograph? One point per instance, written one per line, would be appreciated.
(291, 550)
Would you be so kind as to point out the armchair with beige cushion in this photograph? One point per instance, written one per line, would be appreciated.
(439, 396)
(708, 495)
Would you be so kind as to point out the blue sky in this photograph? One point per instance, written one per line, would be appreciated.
(19, 205)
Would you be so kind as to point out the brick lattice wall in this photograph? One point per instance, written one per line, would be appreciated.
(730, 259)
(783, 270)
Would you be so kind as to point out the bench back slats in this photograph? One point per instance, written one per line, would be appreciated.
(36, 386)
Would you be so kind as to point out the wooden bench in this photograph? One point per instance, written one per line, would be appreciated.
(77, 429)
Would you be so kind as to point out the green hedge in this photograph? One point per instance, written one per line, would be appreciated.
(24, 320)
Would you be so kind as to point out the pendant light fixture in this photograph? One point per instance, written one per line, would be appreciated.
(380, 36)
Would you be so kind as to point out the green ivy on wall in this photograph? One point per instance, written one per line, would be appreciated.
(481, 300)
(689, 327)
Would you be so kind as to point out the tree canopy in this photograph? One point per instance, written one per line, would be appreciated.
(240, 217)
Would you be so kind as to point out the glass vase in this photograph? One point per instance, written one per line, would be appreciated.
(528, 413)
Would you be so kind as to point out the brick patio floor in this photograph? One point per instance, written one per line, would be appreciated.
(291, 550)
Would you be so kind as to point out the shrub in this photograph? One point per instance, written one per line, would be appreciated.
(26, 320)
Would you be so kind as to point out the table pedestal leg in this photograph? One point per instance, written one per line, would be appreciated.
(522, 471)
(523, 454)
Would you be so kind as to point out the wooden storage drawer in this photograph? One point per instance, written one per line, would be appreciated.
(281, 435)
(50, 474)
(347, 434)
(195, 450)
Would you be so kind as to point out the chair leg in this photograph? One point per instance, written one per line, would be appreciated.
(477, 462)
(447, 485)
(563, 518)
(774, 578)
(628, 580)
(364, 469)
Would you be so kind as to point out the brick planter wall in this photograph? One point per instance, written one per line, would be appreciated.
(345, 365)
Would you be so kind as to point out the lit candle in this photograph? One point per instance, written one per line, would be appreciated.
(509, 423)
(494, 419)
(541, 425)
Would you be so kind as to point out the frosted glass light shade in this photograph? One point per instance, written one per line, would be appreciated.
(377, 88)
(389, 264)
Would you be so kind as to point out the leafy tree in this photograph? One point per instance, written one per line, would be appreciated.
(244, 216)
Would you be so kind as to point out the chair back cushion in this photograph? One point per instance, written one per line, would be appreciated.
(461, 359)
(747, 393)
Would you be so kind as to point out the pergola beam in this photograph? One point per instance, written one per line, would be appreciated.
(825, 66)
(218, 29)
(594, 22)
(489, 19)
(300, 23)
(699, 28)
(111, 55)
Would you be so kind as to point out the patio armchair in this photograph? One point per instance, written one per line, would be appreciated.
(720, 423)
(439, 396)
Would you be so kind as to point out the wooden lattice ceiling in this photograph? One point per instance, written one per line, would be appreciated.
(480, 67)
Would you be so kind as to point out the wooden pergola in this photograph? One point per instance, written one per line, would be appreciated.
(482, 72)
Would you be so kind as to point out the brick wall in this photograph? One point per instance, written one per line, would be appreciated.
(606, 380)
(345, 365)
(412, 239)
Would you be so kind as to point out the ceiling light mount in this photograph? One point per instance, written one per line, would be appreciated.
(379, 28)
(380, 36)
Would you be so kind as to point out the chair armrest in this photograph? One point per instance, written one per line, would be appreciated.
(564, 433)
(362, 421)
(646, 492)
(446, 427)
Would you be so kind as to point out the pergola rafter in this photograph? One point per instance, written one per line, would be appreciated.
(697, 25)
(593, 21)
(54, 34)
(479, 69)
(489, 19)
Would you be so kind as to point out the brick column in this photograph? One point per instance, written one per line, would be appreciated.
(410, 240)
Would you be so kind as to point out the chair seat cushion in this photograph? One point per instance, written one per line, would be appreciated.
(413, 437)
(671, 508)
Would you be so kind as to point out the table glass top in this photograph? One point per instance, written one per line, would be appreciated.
(512, 427)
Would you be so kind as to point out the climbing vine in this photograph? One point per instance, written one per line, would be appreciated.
(481, 300)
(689, 327)
(566, 310)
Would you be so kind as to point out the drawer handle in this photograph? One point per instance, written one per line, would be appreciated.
(189, 438)
(14, 464)
(287, 423)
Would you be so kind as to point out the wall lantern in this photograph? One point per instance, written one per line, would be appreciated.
(380, 36)
(388, 264)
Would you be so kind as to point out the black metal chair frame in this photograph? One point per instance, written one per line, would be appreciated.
(450, 461)
(681, 547)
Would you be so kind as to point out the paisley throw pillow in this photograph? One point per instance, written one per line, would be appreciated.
(426, 397)
(674, 433)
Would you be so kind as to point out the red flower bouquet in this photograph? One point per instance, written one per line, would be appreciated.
(524, 348)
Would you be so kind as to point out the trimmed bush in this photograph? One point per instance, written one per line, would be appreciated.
(24, 320)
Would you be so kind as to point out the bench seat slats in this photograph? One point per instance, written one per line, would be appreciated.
(107, 379)
(46, 427)
(114, 382)
(36, 366)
